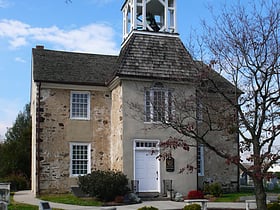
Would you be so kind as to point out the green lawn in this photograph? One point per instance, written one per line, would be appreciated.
(20, 206)
(232, 197)
(61, 198)
(71, 199)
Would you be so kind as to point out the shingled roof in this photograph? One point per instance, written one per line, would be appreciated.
(155, 56)
(72, 68)
(144, 55)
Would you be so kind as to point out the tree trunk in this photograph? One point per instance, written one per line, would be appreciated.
(260, 194)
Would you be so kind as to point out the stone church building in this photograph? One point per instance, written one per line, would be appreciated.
(93, 111)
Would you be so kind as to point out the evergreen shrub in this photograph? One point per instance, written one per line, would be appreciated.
(104, 185)
(17, 182)
(193, 206)
(214, 189)
(273, 206)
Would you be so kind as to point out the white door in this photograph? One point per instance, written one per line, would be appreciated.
(147, 170)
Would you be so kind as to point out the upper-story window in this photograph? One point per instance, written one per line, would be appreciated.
(80, 105)
(158, 104)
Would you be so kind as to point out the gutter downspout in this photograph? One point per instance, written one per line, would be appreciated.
(38, 129)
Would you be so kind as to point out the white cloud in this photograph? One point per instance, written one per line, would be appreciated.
(95, 38)
(4, 4)
(3, 128)
(18, 42)
(20, 60)
(101, 2)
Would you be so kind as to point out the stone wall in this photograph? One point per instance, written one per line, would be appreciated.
(117, 129)
(57, 130)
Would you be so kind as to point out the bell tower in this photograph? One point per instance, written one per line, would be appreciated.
(149, 15)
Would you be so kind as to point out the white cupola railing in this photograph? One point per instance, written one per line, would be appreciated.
(149, 15)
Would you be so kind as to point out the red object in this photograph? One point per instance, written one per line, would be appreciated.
(195, 194)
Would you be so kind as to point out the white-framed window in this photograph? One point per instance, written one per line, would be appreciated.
(159, 106)
(146, 144)
(80, 159)
(200, 160)
(80, 105)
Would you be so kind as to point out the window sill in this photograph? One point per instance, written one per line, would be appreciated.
(81, 119)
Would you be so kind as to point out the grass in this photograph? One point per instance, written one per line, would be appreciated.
(71, 199)
(62, 198)
(232, 197)
(19, 206)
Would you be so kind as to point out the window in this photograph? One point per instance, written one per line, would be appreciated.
(145, 144)
(158, 104)
(80, 105)
(200, 160)
(80, 159)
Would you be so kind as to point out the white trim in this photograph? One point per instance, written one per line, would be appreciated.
(73, 87)
(146, 148)
(153, 115)
(201, 150)
(88, 105)
(131, 18)
(88, 154)
(166, 34)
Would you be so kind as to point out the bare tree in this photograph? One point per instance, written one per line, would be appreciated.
(243, 46)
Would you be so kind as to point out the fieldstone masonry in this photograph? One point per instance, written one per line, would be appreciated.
(113, 128)
(58, 130)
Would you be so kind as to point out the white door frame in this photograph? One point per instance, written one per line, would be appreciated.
(147, 145)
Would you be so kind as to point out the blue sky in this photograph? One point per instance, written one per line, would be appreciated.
(93, 26)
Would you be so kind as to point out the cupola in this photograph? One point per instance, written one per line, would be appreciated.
(149, 15)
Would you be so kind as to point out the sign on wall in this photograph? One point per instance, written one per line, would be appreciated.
(170, 164)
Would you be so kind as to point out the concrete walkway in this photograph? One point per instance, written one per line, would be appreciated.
(28, 198)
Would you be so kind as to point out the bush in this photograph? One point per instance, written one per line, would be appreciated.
(193, 206)
(273, 206)
(105, 185)
(148, 208)
(214, 189)
(18, 182)
(277, 174)
(195, 194)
